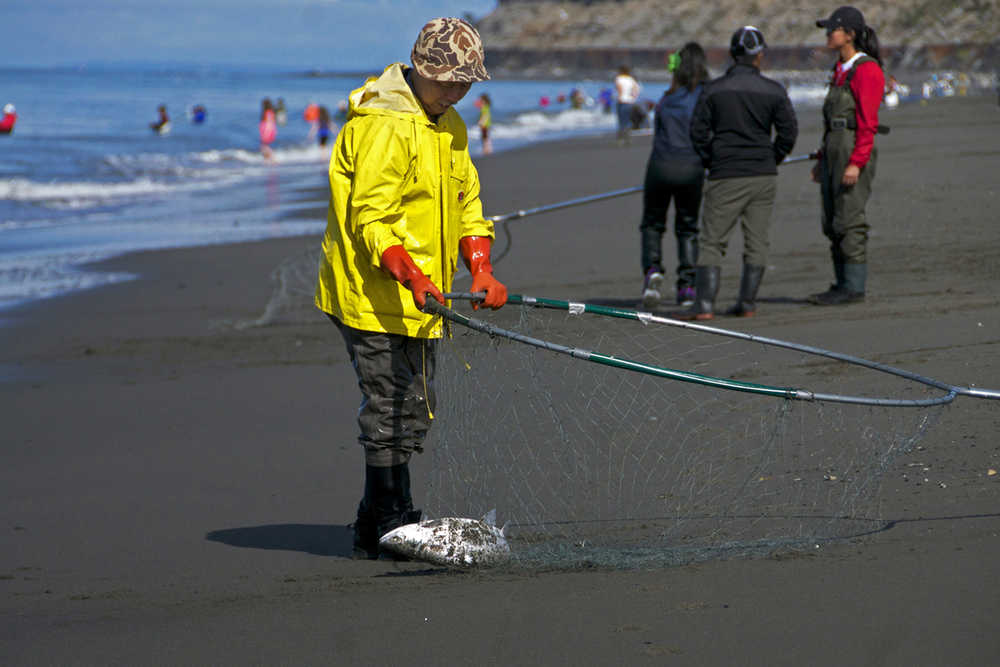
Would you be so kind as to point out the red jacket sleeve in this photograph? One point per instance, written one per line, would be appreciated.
(867, 86)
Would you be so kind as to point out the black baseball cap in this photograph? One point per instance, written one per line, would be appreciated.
(747, 40)
(846, 17)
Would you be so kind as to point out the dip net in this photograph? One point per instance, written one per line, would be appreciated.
(607, 465)
(596, 465)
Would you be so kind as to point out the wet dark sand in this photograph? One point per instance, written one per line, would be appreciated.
(175, 490)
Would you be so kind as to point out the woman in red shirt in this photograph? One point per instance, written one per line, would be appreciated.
(847, 158)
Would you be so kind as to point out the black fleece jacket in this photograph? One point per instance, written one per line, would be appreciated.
(732, 122)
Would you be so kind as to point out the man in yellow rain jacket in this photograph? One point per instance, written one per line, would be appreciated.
(404, 203)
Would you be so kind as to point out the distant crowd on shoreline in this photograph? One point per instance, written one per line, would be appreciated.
(273, 115)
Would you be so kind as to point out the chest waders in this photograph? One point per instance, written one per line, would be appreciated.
(844, 221)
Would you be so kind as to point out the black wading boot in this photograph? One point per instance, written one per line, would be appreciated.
(687, 258)
(852, 290)
(387, 505)
(749, 284)
(365, 528)
(838, 279)
(651, 241)
(706, 285)
(404, 501)
(395, 505)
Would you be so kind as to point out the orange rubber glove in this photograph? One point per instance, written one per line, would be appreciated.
(400, 265)
(476, 252)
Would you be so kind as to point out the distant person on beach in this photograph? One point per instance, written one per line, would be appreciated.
(340, 116)
(280, 112)
(404, 205)
(674, 171)
(268, 128)
(894, 90)
(324, 125)
(311, 116)
(627, 91)
(162, 123)
(604, 98)
(9, 119)
(731, 130)
(198, 114)
(847, 158)
(485, 122)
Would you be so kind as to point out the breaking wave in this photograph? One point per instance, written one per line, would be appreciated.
(157, 174)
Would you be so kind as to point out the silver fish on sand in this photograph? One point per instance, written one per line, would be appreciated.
(451, 541)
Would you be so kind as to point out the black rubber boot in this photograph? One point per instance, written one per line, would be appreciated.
(687, 258)
(365, 527)
(706, 285)
(837, 257)
(393, 504)
(384, 504)
(404, 501)
(855, 277)
(852, 291)
(365, 537)
(749, 284)
(838, 274)
(651, 241)
(833, 292)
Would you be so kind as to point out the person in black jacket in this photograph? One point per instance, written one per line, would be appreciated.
(731, 131)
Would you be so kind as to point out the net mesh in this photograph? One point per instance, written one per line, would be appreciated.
(592, 465)
(294, 286)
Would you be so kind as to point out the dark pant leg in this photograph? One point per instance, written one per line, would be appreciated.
(655, 202)
(396, 378)
(624, 112)
(828, 190)
(689, 180)
(761, 191)
(725, 200)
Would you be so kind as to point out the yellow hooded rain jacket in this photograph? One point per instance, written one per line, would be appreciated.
(396, 177)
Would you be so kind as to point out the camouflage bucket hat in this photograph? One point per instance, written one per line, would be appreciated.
(449, 49)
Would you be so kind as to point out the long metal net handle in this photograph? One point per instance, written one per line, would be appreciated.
(684, 376)
(506, 218)
(579, 201)
(764, 340)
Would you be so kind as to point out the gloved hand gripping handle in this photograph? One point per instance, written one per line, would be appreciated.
(476, 253)
(401, 266)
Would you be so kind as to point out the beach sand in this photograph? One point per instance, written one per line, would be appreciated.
(176, 489)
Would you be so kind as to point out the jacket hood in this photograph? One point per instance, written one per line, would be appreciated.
(386, 94)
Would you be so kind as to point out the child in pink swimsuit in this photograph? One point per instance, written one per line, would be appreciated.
(268, 127)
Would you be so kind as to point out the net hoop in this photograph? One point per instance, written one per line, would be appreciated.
(577, 308)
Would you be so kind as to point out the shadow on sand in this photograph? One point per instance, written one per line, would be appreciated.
(320, 540)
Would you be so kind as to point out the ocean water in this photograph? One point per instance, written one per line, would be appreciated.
(83, 178)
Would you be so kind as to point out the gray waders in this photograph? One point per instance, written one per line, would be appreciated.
(844, 221)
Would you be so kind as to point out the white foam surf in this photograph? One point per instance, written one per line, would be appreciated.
(158, 174)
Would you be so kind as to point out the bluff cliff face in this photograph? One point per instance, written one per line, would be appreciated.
(559, 33)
